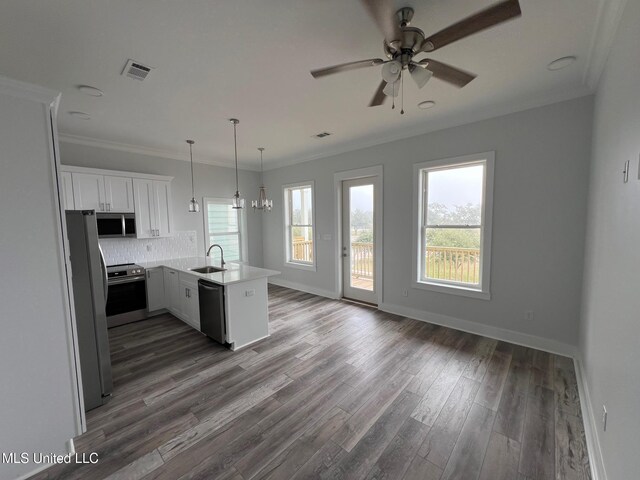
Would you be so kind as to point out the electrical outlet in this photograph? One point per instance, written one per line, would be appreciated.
(604, 418)
(528, 315)
(148, 248)
(405, 293)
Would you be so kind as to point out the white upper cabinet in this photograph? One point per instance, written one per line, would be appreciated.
(146, 195)
(88, 192)
(118, 194)
(66, 190)
(145, 211)
(162, 196)
(153, 208)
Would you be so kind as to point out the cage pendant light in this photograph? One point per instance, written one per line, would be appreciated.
(237, 202)
(262, 203)
(194, 207)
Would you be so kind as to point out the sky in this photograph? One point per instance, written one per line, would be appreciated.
(458, 186)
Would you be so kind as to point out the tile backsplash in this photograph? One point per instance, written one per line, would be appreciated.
(133, 250)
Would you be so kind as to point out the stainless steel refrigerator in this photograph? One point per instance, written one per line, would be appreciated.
(89, 278)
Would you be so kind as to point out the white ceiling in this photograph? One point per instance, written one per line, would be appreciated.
(250, 59)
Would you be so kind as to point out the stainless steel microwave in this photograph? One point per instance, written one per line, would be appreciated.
(116, 225)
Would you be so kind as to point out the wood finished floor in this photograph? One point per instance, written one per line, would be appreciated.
(337, 391)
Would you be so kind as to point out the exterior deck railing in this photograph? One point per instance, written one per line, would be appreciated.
(443, 263)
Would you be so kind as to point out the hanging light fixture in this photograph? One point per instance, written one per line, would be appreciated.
(262, 203)
(194, 207)
(237, 201)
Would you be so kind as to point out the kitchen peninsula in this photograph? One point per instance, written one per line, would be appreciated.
(230, 305)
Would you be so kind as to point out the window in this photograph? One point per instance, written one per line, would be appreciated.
(225, 226)
(298, 201)
(454, 200)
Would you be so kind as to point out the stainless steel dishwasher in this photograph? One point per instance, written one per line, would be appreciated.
(212, 316)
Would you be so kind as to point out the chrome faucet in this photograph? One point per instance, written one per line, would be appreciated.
(222, 262)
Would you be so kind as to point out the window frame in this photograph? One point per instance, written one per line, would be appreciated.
(242, 227)
(288, 261)
(482, 291)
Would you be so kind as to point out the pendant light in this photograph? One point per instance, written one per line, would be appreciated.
(262, 203)
(194, 207)
(237, 201)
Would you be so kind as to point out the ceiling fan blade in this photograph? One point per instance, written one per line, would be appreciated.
(486, 18)
(383, 13)
(379, 97)
(447, 73)
(420, 75)
(345, 67)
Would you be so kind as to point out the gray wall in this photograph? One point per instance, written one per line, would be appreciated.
(610, 329)
(541, 179)
(38, 398)
(210, 181)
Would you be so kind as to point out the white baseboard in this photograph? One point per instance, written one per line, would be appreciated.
(303, 288)
(590, 423)
(524, 339)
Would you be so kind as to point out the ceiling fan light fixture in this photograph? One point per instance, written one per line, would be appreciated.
(391, 71)
(420, 75)
(392, 89)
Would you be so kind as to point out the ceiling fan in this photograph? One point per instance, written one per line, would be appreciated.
(403, 42)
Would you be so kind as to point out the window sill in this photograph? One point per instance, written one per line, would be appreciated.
(453, 290)
(301, 266)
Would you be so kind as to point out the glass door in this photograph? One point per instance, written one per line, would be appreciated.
(358, 240)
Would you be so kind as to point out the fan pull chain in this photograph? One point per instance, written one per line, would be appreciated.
(393, 102)
(402, 93)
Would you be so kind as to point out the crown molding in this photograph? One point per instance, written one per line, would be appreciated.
(16, 88)
(451, 121)
(140, 150)
(602, 38)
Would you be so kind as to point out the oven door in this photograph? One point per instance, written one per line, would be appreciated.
(126, 300)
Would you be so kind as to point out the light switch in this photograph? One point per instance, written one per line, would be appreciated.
(326, 236)
(249, 293)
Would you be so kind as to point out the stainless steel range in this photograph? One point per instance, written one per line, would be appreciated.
(127, 294)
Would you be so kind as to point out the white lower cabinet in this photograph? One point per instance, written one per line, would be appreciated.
(155, 289)
(190, 304)
(172, 291)
(181, 296)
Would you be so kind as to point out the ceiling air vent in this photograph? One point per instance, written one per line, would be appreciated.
(321, 135)
(136, 70)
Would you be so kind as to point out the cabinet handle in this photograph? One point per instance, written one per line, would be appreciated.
(108, 207)
(102, 206)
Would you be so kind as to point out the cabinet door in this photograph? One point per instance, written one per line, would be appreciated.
(145, 210)
(172, 292)
(162, 205)
(195, 308)
(185, 300)
(118, 194)
(88, 192)
(155, 289)
(66, 190)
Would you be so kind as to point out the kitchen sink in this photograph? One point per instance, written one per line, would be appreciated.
(207, 269)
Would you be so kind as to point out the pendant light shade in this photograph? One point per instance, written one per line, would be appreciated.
(194, 206)
(262, 203)
(237, 201)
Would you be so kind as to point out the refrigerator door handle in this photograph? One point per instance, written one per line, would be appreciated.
(103, 265)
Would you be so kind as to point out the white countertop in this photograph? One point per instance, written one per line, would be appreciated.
(234, 273)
